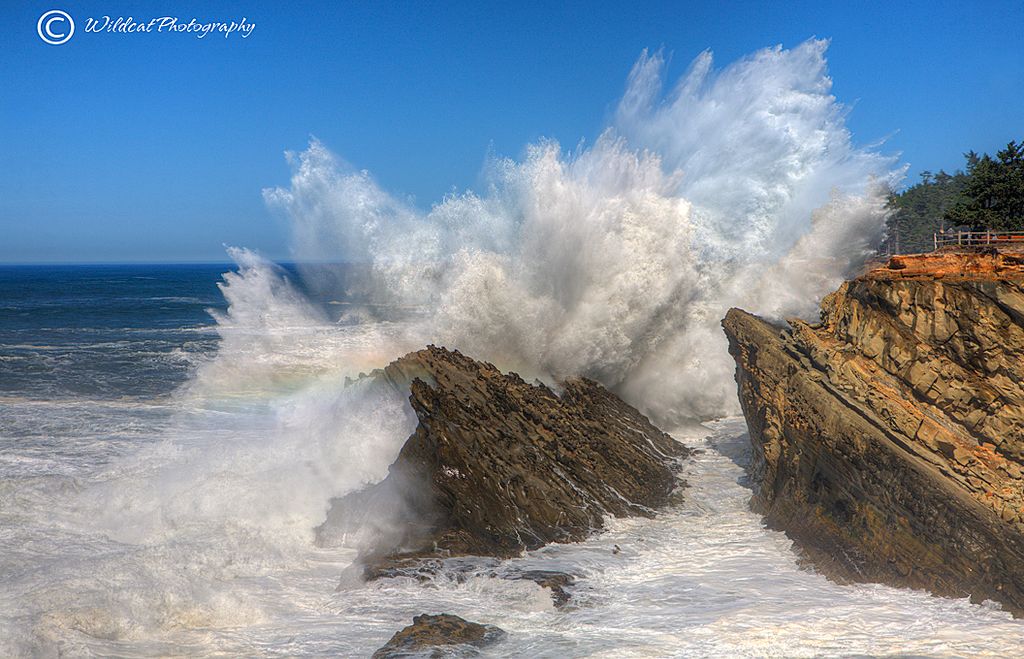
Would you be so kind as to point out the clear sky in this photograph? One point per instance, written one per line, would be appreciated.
(155, 147)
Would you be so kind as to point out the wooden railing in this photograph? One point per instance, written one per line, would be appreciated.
(977, 238)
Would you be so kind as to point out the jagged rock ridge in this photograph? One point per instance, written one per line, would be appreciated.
(497, 465)
(889, 439)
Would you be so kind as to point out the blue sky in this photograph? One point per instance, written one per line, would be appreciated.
(155, 147)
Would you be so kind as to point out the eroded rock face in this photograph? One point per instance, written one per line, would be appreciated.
(439, 636)
(497, 466)
(889, 439)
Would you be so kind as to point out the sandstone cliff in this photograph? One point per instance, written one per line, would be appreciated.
(889, 438)
(497, 465)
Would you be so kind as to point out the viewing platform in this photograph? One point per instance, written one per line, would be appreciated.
(1002, 239)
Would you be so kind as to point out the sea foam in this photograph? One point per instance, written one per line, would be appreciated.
(737, 187)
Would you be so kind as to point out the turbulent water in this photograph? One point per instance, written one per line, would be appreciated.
(156, 499)
(169, 436)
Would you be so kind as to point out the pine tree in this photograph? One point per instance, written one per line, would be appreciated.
(917, 212)
(994, 195)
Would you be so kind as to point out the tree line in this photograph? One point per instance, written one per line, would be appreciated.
(989, 195)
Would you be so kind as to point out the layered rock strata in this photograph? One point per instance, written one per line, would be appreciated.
(889, 438)
(497, 466)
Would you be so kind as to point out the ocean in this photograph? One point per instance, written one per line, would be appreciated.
(167, 446)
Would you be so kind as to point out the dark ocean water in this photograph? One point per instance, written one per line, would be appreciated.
(104, 331)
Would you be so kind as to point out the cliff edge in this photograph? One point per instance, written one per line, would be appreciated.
(889, 438)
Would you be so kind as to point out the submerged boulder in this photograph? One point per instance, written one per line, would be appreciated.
(439, 636)
(497, 466)
(889, 438)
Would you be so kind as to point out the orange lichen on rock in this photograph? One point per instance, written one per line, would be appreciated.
(977, 263)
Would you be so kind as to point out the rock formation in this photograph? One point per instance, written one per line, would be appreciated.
(889, 438)
(439, 635)
(497, 466)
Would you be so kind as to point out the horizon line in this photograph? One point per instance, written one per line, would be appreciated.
(6, 264)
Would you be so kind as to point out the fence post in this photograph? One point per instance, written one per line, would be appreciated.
(935, 240)
(959, 236)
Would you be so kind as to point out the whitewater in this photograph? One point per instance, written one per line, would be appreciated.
(161, 476)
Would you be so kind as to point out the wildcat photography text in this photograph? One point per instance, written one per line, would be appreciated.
(57, 27)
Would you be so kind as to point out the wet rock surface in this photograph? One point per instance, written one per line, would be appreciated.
(889, 438)
(497, 466)
(461, 570)
(559, 583)
(442, 635)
